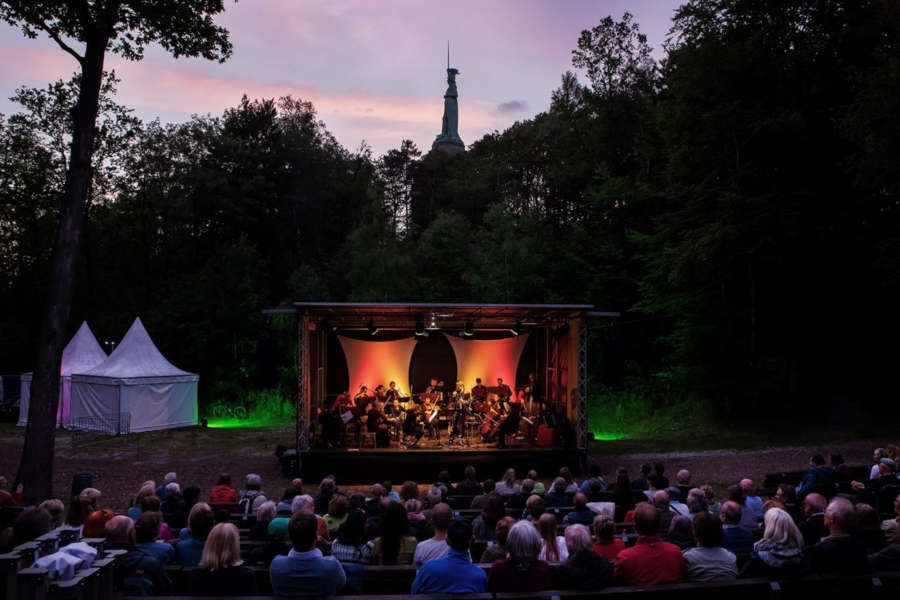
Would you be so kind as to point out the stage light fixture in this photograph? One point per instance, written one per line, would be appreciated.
(517, 330)
(420, 329)
(372, 329)
(433, 324)
(468, 331)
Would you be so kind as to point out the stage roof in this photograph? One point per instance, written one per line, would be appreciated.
(450, 315)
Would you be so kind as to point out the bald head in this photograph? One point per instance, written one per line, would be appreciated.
(646, 519)
(441, 516)
(683, 477)
(119, 530)
(661, 499)
(731, 513)
(747, 486)
(814, 503)
(840, 516)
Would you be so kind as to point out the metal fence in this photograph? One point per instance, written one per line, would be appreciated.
(88, 428)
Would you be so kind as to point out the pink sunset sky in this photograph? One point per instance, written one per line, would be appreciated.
(375, 71)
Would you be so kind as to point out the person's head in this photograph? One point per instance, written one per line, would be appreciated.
(297, 484)
(578, 539)
(434, 496)
(413, 506)
(173, 491)
(659, 468)
(338, 506)
(327, 487)
(222, 548)
(252, 481)
(169, 478)
(30, 525)
(566, 474)
(119, 530)
(499, 381)
(730, 513)
(579, 501)
(440, 516)
(523, 543)
(534, 506)
(680, 528)
(395, 521)
(469, 473)
(55, 509)
(661, 499)
(683, 477)
(533, 474)
(489, 486)
(353, 531)
(887, 467)
(786, 494)
(151, 503)
(736, 494)
(459, 534)
(622, 483)
(478, 381)
(840, 516)
(509, 477)
(224, 479)
(392, 384)
(200, 520)
(646, 519)
(145, 491)
(91, 496)
(604, 528)
(708, 530)
(696, 502)
(501, 530)
(878, 454)
(493, 507)
(408, 490)
(559, 486)
(527, 486)
(302, 530)
(266, 511)
(709, 492)
(814, 503)
(836, 460)
(95, 523)
(748, 487)
(817, 460)
(780, 528)
(377, 491)
(146, 528)
(645, 469)
(303, 503)
(674, 494)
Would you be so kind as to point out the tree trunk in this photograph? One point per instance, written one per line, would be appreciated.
(36, 467)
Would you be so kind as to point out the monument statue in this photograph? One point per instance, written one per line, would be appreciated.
(448, 140)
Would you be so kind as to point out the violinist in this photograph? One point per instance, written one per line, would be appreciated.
(362, 396)
(412, 425)
(391, 393)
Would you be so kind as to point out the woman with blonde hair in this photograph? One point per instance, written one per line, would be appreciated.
(780, 551)
(221, 572)
(553, 547)
(507, 487)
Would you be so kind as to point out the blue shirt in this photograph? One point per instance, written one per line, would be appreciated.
(306, 574)
(452, 574)
(755, 504)
(161, 551)
(189, 551)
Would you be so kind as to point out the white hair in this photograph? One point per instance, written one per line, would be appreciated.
(173, 488)
(578, 538)
(266, 511)
(524, 542)
(781, 529)
(170, 477)
(302, 503)
(253, 479)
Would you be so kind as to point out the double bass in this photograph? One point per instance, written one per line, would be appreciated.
(493, 418)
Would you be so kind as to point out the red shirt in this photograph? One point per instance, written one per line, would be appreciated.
(648, 562)
(609, 549)
(223, 494)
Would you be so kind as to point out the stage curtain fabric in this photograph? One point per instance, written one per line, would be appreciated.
(488, 359)
(372, 363)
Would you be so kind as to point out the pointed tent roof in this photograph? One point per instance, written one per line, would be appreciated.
(82, 353)
(137, 358)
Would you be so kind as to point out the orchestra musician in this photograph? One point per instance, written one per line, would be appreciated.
(412, 425)
(391, 393)
(510, 423)
(503, 390)
(362, 396)
(479, 391)
(459, 408)
(432, 424)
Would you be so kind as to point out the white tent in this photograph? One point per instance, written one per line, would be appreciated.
(82, 353)
(136, 380)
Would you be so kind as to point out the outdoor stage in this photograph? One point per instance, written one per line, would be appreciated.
(535, 348)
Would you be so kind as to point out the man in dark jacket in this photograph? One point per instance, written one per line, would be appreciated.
(840, 552)
(144, 574)
(736, 539)
(813, 526)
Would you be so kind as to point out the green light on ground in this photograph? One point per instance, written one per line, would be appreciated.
(243, 423)
(608, 436)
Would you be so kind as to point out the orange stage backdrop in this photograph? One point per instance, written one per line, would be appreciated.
(373, 363)
(488, 359)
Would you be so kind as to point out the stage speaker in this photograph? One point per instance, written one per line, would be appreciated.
(81, 481)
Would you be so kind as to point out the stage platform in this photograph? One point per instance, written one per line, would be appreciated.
(367, 465)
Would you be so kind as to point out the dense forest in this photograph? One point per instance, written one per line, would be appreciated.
(737, 201)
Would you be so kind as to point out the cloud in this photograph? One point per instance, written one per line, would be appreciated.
(513, 106)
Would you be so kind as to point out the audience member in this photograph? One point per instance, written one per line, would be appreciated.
(221, 572)
(680, 532)
(553, 547)
(877, 455)
(497, 550)
(840, 553)
(657, 480)
(697, 504)
(409, 491)
(518, 500)
(338, 508)
(259, 529)
(484, 524)
(709, 561)
(817, 476)
(76, 515)
(436, 547)
(813, 526)
(147, 489)
(55, 508)
(142, 574)
(469, 486)
(417, 519)
(737, 539)
(683, 483)
(452, 573)
(32, 523)
(642, 481)
(305, 503)
(479, 501)
(350, 545)
(327, 489)
(557, 495)
(780, 551)
(623, 496)
(146, 532)
(251, 496)
(172, 507)
(571, 485)
(95, 523)
(606, 544)
(394, 546)
(675, 504)
(507, 486)
(661, 503)
(583, 570)
(222, 492)
(748, 519)
(650, 560)
(869, 528)
(521, 571)
(539, 488)
(161, 490)
(751, 500)
(534, 508)
(304, 571)
(787, 495)
(581, 514)
(189, 548)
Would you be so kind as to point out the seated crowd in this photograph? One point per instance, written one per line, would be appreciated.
(524, 536)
